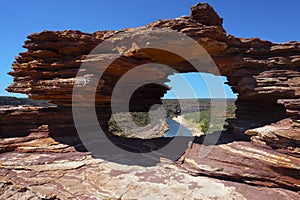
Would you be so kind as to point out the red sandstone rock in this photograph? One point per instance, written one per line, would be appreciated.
(37, 166)
(245, 162)
(264, 74)
(261, 72)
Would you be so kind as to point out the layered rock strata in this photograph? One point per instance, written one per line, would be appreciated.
(38, 167)
(265, 75)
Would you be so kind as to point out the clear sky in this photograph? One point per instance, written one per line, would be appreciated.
(273, 20)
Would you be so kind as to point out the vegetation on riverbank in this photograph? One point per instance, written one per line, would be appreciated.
(196, 121)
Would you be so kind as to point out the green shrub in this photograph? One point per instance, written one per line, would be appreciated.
(203, 119)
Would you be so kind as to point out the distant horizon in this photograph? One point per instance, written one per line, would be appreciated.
(161, 99)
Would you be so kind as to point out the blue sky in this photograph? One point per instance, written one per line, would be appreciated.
(277, 21)
(195, 85)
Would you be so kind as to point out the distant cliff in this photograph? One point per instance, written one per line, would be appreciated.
(14, 101)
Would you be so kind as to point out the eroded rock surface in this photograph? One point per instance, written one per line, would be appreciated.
(264, 74)
(23, 119)
(40, 167)
(246, 162)
(44, 161)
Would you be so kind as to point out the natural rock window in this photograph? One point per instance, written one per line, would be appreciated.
(257, 157)
(196, 121)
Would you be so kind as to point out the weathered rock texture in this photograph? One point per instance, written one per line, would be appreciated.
(21, 120)
(38, 167)
(265, 75)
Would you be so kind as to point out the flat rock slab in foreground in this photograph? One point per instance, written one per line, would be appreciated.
(43, 168)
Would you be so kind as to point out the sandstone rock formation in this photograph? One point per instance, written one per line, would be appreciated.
(21, 120)
(265, 75)
(38, 167)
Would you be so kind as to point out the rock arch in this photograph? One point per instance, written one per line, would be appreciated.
(264, 74)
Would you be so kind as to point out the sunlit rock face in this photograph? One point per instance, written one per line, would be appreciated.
(265, 75)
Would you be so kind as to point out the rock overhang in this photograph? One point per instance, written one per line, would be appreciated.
(265, 75)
